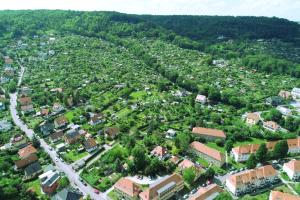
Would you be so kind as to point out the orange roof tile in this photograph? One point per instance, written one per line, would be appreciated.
(26, 151)
(127, 186)
(206, 192)
(208, 132)
(276, 195)
(294, 165)
(217, 155)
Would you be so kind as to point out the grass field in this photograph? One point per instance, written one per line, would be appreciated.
(73, 155)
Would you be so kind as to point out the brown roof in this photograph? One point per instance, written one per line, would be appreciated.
(151, 192)
(271, 124)
(27, 107)
(26, 161)
(251, 175)
(253, 116)
(58, 134)
(112, 131)
(26, 151)
(206, 192)
(61, 120)
(213, 153)
(89, 143)
(208, 132)
(25, 101)
(96, 117)
(294, 165)
(159, 151)
(276, 195)
(174, 159)
(246, 149)
(44, 111)
(294, 143)
(284, 94)
(186, 164)
(127, 186)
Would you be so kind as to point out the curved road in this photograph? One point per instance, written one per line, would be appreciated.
(62, 166)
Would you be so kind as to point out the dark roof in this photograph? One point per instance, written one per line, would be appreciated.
(57, 135)
(89, 143)
(32, 169)
(67, 194)
(26, 161)
(72, 133)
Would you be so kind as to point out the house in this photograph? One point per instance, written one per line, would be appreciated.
(249, 180)
(165, 188)
(211, 155)
(56, 136)
(160, 152)
(72, 136)
(5, 125)
(95, 119)
(271, 126)
(26, 151)
(201, 99)
(68, 194)
(60, 122)
(18, 141)
(185, 164)
(49, 181)
(59, 90)
(44, 112)
(32, 170)
(292, 169)
(274, 101)
(27, 109)
(242, 153)
(25, 101)
(276, 195)
(46, 128)
(283, 110)
(90, 145)
(57, 107)
(19, 164)
(294, 145)
(296, 93)
(171, 133)
(207, 193)
(112, 132)
(127, 189)
(252, 118)
(209, 133)
(25, 91)
(60, 147)
(174, 159)
(285, 94)
(2, 106)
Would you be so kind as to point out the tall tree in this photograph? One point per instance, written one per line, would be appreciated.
(262, 153)
(251, 162)
(281, 149)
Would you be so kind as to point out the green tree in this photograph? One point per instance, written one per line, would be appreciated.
(262, 153)
(182, 141)
(35, 142)
(12, 86)
(280, 150)
(139, 155)
(224, 196)
(189, 175)
(251, 162)
(229, 145)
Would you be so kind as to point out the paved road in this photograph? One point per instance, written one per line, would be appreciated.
(62, 166)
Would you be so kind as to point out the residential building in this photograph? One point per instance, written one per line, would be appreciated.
(171, 133)
(60, 122)
(127, 189)
(271, 126)
(185, 164)
(44, 112)
(49, 181)
(209, 192)
(201, 99)
(112, 132)
(249, 180)
(56, 136)
(25, 91)
(24, 101)
(5, 125)
(46, 128)
(285, 94)
(276, 195)
(252, 118)
(211, 155)
(95, 119)
(292, 169)
(163, 189)
(68, 194)
(160, 152)
(27, 109)
(18, 141)
(26, 151)
(72, 136)
(90, 145)
(294, 145)
(274, 101)
(57, 107)
(32, 170)
(283, 110)
(296, 93)
(60, 147)
(174, 159)
(209, 133)
(19, 164)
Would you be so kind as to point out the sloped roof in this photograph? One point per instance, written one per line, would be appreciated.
(209, 132)
(213, 153)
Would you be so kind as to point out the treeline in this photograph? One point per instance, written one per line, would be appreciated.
(269, 64)
(211, 27)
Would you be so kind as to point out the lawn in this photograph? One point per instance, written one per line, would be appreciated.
(113, 195)
(35, 185)
(285, 176)
(265, 195)
(297, 187)
(73, 155)
(252, 141)
(215, 146)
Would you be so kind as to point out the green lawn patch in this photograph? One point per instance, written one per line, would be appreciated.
(252, 141)
(35, 185)
(73, 155)
(113, 195)
(215, 146)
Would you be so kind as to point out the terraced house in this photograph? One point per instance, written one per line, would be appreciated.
(209, 133)
(249, 180)
(211, 155)
(292, 169)
(127, 189)
(163, 189)
(207, 193)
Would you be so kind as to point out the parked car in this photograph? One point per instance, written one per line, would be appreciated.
(96, 191)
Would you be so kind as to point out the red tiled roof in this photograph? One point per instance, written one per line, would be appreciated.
(213, 153)
(294, 165)
(276, 195)
(206, 192)
(127, 186)
(209, 132)
(26, 151)
(159, 151)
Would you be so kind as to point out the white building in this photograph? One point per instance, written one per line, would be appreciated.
(292, 169)
(201, 99)
(283, 110)
(296, 93)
